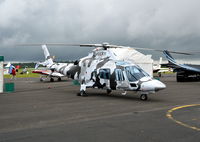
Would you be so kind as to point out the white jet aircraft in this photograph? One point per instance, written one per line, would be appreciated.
(48, 73)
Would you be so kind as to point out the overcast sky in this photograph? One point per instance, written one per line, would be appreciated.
(159, 24)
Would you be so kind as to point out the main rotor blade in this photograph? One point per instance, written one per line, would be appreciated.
(159, 50)
(48, 44)
(104, 45)
(176, 52)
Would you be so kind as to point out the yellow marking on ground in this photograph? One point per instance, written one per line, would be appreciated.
(169, 115)
(194, 119)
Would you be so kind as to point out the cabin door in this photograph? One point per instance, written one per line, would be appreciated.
(104, 75)
(122, 83)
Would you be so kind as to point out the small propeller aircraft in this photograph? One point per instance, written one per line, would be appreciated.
(47, 73)
(101, 69)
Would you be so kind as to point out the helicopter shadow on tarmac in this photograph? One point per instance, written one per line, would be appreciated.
(117, 95)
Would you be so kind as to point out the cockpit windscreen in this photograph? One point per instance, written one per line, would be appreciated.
(134, 73)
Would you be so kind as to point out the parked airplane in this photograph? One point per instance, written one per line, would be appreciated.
(6, 68)
(185, 72)
(157, 68)
(102, 69)
(47, 73)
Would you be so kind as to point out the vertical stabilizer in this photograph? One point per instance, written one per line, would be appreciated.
(48, 60)
(169, 57)
(46, 52)
(160, 62)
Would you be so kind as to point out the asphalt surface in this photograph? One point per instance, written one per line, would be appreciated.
(48, 112)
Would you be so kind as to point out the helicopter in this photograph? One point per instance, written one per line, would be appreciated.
(102, 69)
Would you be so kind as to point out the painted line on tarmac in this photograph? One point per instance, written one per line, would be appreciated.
(170, 116)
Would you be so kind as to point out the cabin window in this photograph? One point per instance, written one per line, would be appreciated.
(119, 75)
(104, 73)
(133, 73)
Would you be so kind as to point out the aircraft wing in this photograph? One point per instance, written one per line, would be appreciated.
(185, 67)
(57, 74)
(43, 72)
(48, 72)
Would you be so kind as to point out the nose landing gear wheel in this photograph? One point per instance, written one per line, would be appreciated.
(143, 97)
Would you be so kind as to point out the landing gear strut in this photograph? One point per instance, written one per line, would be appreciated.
(82, 90)
(82, 93)
(143, 97)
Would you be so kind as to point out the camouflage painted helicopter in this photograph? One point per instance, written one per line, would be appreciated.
(101, 69)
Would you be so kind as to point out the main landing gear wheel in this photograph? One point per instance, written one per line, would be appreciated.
(143, 97)
(108, 91)
(82, 93)
(59, 79)
(52, 80)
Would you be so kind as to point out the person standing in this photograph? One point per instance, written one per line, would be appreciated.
(13, 73)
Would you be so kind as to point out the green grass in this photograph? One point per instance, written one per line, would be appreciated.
(18, 75)
(164, 73)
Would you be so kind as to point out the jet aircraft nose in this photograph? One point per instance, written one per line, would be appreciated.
(152, 85)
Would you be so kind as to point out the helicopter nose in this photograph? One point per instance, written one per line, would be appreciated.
(159, 85)
(153, 85)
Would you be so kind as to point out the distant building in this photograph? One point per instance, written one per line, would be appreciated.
(132, 55)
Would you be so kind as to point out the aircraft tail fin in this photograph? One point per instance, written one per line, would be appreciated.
(46, 52)
(160, 62)
(8, 65)
(169, 57)
(48, 59)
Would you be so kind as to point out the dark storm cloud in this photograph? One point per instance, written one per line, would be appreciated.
(158, 24)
